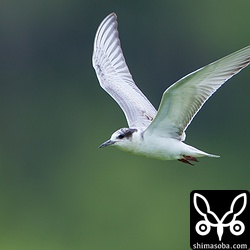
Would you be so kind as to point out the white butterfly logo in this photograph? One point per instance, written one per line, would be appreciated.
(203, 227)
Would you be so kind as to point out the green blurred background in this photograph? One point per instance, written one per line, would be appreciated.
(57, 189)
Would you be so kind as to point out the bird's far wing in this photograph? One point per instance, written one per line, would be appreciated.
(115, 78)
(182, 100)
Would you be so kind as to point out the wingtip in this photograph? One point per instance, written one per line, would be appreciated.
(108, 20)
(111, 15)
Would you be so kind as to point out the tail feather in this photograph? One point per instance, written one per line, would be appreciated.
(198, 153)
(215, 156)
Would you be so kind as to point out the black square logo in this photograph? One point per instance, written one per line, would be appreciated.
(220, 219)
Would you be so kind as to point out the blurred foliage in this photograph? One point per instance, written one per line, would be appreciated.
(57, 189)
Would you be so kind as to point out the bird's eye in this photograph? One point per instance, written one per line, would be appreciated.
(121, 136)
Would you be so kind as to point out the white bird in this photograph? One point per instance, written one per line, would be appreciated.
(157, 134)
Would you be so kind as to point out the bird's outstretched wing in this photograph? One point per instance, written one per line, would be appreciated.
(115, 78)
(182, 100)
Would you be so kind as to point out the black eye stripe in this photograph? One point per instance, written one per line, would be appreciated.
(126, 133)
(121, 136)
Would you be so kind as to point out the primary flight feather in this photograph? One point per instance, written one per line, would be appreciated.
(151, 133)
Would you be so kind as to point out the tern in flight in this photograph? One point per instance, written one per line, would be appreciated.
(157, 134)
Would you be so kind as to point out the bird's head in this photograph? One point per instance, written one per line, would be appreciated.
(120, 138)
